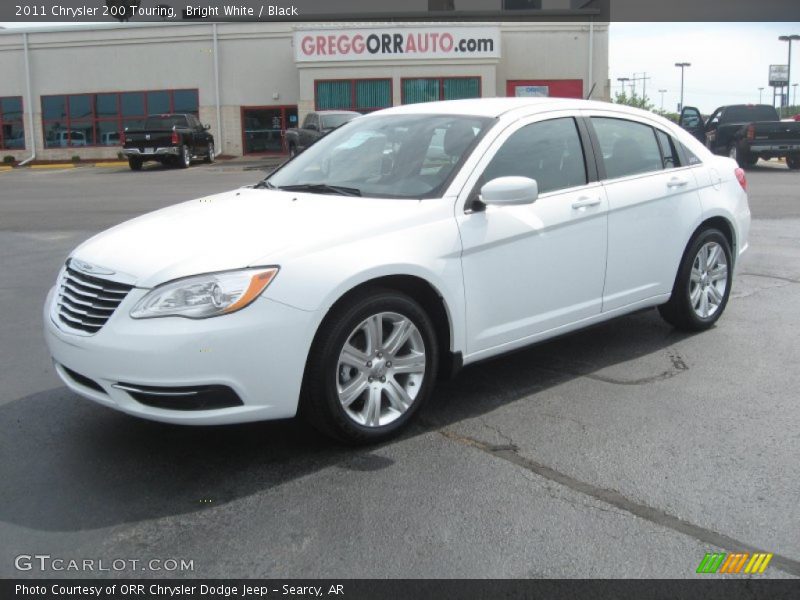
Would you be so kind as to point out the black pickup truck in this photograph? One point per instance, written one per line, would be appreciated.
(169, 139)
(316, 125)
(746, 132)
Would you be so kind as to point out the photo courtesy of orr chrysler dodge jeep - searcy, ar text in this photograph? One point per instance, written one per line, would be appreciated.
(396, 249)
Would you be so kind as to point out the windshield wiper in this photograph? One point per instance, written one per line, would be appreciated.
(264, 184)
(321, 188)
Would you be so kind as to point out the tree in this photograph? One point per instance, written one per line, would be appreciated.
(633, 100)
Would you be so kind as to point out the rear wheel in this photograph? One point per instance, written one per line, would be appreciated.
(793, 161)
(184, 158)
(703, 283)
(135, 164)
(372, 366)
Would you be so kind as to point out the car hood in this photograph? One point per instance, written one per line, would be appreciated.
(241, 228)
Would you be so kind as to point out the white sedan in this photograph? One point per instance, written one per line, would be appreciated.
(398, 248)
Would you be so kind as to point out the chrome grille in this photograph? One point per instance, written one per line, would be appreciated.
(85, 302)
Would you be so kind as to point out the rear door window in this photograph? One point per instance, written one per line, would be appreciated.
(628, 147)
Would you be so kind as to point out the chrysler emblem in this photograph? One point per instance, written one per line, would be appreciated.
(147, 136)
(85, 267)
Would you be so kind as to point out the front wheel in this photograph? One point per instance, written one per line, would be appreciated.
(703, 283)
(372, 366)
(210, 155)
(292, 150)
(742, 157)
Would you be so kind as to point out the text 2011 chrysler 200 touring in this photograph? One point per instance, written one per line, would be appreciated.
(399, 247)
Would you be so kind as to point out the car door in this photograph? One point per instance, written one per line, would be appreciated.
(652, 203)
(308, 134)
(534, 268)
(692, 121)
(199, 136)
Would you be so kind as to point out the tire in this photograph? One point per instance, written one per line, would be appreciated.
(184, 158)
(135, 164)
(292, 151)
(700, 294)
(210, 155)
(742, 158)
(348, 415)
(793, 162)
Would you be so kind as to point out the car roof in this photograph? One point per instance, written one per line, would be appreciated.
(495, 107)
(337, 112)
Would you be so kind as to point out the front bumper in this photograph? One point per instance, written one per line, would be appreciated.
(169, 151)
(258, 352)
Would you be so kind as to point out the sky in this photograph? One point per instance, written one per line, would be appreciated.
(730, 61)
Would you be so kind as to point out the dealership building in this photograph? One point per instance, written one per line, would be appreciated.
(70, 91)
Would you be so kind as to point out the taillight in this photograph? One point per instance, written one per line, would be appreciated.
(174, 138)
(751, 132)
(122, 139)
(741, 178)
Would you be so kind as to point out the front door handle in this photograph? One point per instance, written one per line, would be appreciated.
(676, 182)
(585, 201)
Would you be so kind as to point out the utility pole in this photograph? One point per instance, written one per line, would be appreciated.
(682, 66)
(794, 99)
(790, 39)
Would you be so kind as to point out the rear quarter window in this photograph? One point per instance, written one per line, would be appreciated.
(628, 147)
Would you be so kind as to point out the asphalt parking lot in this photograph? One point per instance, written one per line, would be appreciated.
(627, 450)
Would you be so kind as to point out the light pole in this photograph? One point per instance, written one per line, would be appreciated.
(794, 95)
(622, 80)
(760, 92)
(662, 99)
(682, 66)
(790, 39)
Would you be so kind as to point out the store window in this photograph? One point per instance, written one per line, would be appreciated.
(362, 95)
(263, 128)
(12, 132)
(76, 120)
(430, 89)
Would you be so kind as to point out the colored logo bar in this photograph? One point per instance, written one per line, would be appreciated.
(736, 562)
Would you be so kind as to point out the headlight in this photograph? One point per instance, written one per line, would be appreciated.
(205, 296)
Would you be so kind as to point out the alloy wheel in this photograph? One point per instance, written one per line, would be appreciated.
(708, 280)
(380, 369)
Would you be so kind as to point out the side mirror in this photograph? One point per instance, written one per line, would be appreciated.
(206, 126)
(510, 190)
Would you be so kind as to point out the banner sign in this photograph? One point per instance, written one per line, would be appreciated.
(396, 43)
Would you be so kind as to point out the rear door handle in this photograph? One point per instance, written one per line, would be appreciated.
(585, 201)
(676, 182)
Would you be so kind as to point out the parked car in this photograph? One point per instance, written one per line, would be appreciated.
(745, 133)
(315, 126)
(346, 293)
(63, 139)
(110, 138)
(175, 139)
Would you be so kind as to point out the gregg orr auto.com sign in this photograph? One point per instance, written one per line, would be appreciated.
(393, 43)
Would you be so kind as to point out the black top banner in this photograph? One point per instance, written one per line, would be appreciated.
(53, 11)
(396, 589)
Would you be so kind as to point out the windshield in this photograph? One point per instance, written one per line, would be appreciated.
(165, 122)
(334, 121)
(389, 156)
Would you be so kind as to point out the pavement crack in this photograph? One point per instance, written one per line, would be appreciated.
(770, 276)
(616, 499)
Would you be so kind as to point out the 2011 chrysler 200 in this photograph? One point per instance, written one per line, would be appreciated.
(401, 246)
